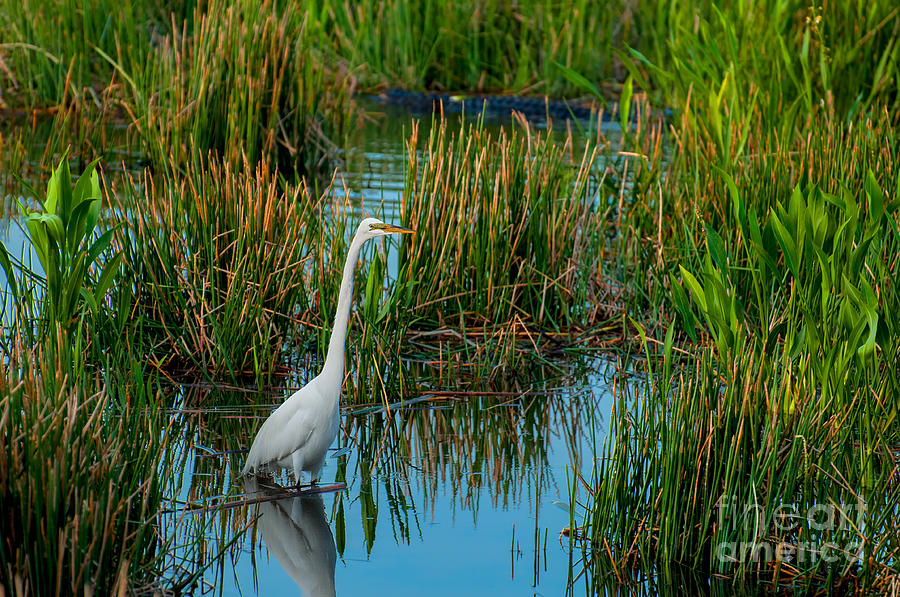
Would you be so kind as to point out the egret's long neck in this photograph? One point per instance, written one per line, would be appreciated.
(334, 360)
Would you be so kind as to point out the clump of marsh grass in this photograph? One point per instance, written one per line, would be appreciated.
(248, 81)
(80, 481)
(215, 264)
(490, 45)
(704, 463)
(792, 411)
(51, 50)
(510, 228)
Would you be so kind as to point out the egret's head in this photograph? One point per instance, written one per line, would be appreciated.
(373, 227)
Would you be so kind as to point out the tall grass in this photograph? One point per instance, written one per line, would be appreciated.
(697, 471)
(511, 226)
(80, 480)
(791, 408)
(477, 46)
(50, 48)
(214, 266)
(247, 80)
(778, 234)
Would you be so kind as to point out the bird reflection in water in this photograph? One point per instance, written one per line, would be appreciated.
(296, 532)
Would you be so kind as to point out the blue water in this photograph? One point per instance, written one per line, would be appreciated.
(467, 532)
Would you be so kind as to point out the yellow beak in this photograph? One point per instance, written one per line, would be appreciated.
(390, 228)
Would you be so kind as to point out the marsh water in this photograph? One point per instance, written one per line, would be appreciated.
(464, 490)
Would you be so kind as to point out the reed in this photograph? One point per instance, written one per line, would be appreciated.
(80, 477)
(248, 81)
(51, 49)
(709, 461)
(214, 265)
(510, 228)
(790, 409)
(477, 46)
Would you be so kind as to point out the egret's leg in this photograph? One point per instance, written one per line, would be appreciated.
(298, 468)
(314, 474)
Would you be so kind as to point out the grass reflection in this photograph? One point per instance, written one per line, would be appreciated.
(483, 445)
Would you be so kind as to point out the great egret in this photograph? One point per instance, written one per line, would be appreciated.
(300, 431)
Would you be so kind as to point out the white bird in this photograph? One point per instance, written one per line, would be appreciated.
(300, 431)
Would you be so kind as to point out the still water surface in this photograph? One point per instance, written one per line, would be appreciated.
(458, 496)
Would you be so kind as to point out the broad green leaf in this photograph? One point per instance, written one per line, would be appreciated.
(39, 241)
(632, 69)
(625, 102)
(679, 297)
(93, 216)
(788, 248)
(65, 189)
(107, 277)
(858, 257)
(578, 80)
(696, 289)
(53, 225)
(87, 186)
(76, 224)
(876, 199)
(100, 245)
(716, 247)
(52, 201)
(88, 299)
(8, 270)
(869, 303)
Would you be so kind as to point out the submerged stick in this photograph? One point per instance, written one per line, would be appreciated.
(273, 496)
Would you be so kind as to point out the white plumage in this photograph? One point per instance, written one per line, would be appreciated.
(300, 431)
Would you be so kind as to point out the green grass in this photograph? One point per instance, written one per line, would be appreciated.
(758, 223)
(510, 227)
(246, 80)
(706, 460)
(213, 267)
(80, 477)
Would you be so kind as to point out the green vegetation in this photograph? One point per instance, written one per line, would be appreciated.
(80, 479)
(61, 235)
(755, 229)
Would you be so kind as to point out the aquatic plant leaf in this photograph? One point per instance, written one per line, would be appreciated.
(93, 215)
(696, 289)
(64, 180)
(88, 185)
(88, 298)
(858, 257)
(679, 297)
(716, 247)
(54, 226)
(798, 344)
(788, 248)
(51, 202)
(8, 270)
(578, 80)
(77, 224)
(869, 304)
(876, 199)
(632, 69)
(625, 102)
(100, 245)
(110, 269)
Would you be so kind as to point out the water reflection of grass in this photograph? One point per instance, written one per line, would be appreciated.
(396, 462)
